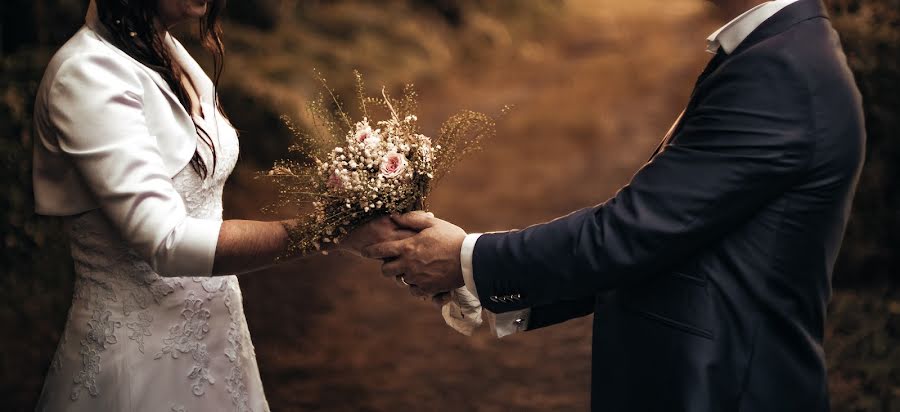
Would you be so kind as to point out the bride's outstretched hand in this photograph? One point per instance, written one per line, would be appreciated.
(378, 230)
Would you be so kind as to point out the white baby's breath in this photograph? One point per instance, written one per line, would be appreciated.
(380, 166)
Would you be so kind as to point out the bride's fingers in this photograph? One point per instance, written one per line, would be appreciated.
(400, 234)
(384, 250)
(417, 291)
(392, 268)
(441, 299)
(414, 220)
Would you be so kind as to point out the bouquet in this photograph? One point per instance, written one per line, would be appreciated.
(348, 172)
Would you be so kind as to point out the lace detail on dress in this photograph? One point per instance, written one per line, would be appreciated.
(102, 333)
(140, 329)
(234, 382)
(100, 294)
(94, 295)
(212, 285)
(147, 291)
(187, 337)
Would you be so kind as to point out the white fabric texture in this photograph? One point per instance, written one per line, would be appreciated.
(136, 340)
(464, 312)
(110, 134)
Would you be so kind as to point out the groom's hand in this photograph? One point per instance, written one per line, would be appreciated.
(378, 230)
(429, 261)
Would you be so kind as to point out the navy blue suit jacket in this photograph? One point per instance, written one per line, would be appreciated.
(709, 273)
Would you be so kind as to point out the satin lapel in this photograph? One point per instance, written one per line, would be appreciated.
(710, 68)
(192, 68)
(157, 78)
(92, 21)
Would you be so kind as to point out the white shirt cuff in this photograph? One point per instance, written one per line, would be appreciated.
(507, 323)
(465, 260)
(502, 324)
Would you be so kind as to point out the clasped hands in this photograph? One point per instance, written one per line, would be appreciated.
(417, 249)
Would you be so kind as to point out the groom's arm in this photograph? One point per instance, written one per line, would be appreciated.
(739, 148)
(508, 323)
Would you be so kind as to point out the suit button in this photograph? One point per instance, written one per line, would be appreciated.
(504, 299)
(517, 296)
(495, 299)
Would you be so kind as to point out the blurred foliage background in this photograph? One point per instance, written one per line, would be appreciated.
(596, 84)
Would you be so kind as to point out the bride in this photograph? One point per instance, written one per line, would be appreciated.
(133, 150)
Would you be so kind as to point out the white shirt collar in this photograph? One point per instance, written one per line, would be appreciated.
(730, 36)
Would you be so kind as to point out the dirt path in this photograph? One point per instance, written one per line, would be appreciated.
(592, 101)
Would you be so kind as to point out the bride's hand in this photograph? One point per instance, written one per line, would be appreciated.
(379, 230)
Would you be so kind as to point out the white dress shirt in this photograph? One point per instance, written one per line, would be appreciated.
(728, 37)
(732, 34)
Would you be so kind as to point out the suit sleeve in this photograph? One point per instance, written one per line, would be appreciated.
(96, 108)
(742, 143)
(560, 311)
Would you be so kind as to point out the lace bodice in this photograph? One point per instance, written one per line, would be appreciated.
(185, 337)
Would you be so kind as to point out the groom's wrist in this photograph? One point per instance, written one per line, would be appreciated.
(466, 252)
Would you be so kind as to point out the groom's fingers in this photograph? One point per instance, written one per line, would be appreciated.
(384, 250)
(417, 221)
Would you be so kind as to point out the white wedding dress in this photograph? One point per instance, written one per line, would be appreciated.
(136, 341)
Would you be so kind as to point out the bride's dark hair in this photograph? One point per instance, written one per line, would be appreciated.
(135, 29)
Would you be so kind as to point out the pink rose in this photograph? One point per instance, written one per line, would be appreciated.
(368, 138)
(393, 164)
(335, 182)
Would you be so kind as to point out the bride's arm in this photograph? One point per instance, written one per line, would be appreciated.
(95, 109)
(246, 245)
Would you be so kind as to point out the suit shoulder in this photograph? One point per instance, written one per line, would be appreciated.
(812, 53)
(812, 50)
(809, 49)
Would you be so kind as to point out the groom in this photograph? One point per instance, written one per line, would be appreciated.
(709, 273)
